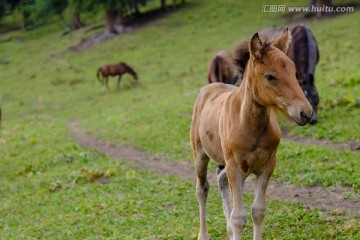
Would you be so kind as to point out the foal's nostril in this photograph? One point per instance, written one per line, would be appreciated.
(304, 116)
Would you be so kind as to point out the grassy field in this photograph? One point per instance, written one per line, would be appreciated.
(47, 193)
(46, 179)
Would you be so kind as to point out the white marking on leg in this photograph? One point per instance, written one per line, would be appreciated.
(238, 215)
(258, 208)
(202, 189)
(225, 196)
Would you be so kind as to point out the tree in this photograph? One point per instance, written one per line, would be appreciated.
(39, 10)
(163, 4)
(77, 7)
(26, 8)
(115, 11)
(2, 9)
(8, 6)
(46, 8)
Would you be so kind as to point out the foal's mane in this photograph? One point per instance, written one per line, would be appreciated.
(242, 53)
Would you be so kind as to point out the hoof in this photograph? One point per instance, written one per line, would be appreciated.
(203, 237)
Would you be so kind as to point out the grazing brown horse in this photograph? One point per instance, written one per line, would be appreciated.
(237, 127)
(115, 70)
(221, 68)
(303, 51)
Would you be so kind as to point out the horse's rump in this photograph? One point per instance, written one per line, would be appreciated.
(304, 51)
(221, 68)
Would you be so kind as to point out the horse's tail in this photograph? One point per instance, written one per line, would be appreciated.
(215, 70)
(221, 68)
(212, 71)
(98, 74)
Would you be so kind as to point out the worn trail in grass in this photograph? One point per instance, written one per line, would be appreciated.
(315, 197)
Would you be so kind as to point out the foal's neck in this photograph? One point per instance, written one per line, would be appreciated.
(253, 114)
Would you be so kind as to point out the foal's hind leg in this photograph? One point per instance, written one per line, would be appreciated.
(225, 196)
(202, 189)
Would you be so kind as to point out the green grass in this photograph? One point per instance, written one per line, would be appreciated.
(337, 80)
(312, 166)
(43, 186)
(45, 195)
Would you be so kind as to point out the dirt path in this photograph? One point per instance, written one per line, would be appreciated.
(350, 145)
(314, 197)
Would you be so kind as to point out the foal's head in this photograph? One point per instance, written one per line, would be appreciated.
(273, 81)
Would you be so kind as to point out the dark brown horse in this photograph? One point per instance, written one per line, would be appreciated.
(303, 51)
(118, 69)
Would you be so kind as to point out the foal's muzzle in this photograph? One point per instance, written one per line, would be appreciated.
(304, 118)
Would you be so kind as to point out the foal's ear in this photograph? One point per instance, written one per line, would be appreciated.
(283, 41)
(256, 47)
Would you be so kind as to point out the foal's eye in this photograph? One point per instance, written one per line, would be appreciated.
(270, 77)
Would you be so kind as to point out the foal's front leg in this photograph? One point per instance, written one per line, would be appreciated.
(258, 208)
(238, 215)
(225, 196)
(202, 189)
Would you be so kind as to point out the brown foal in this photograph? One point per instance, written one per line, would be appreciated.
(237, 127)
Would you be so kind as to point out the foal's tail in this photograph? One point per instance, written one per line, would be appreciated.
(98, 74)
